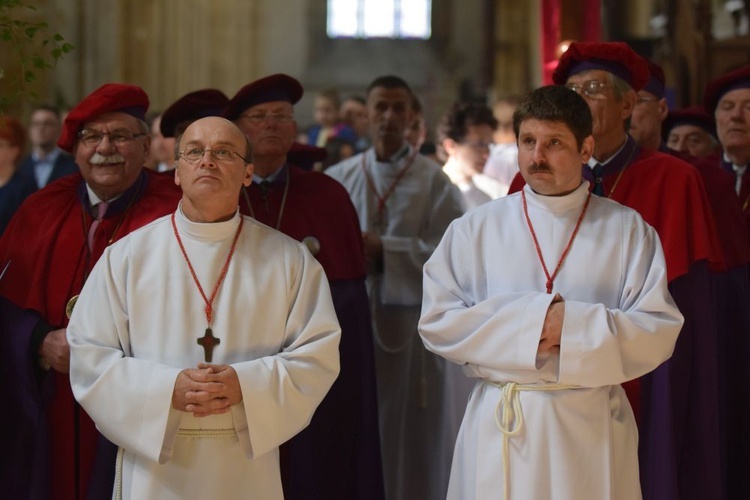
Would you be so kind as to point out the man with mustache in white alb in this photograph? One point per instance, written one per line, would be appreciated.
(52, 243)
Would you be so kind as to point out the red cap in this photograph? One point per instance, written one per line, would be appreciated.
(737, 79)
(694, 115)
(110, 97)
(655, 84)
(278, 87)
(191, 107)
(615, 57)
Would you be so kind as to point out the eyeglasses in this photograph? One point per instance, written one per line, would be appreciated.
(117, 137)
(591, 88)
(221, 154)
(258, 118)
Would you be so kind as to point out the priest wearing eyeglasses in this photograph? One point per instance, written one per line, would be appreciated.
(206, 339)
(52, 243)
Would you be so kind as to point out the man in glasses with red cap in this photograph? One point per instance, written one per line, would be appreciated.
(338, 454)
(676, 405)
(51, 245)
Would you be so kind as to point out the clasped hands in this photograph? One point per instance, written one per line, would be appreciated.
(206, 390)
(552, 328)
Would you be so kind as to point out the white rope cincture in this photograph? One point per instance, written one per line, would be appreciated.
(117, 493)
(207, 433)
(509, 418)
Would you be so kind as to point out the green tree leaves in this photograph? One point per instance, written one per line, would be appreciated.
(32, 45)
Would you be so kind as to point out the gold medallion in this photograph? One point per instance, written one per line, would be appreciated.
(70, 305)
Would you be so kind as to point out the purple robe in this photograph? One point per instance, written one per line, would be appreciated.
(24, 462)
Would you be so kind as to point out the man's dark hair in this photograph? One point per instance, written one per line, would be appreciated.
(389, 82)
(455, 123)
(556, 103)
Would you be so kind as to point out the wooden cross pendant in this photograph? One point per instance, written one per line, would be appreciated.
(208, 341)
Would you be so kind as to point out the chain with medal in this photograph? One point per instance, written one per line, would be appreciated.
(380, 222)
(311, 242)
(72, 301)
(208, 341)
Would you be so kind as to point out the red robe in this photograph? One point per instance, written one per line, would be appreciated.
(727, 210)
(45, 243)
(676, 405)
(338, 454)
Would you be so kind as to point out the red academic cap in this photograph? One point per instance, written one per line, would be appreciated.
(305, 156)
(694, 115)
(615, 57)
(655, 84)
(278, 87)
(737, 79)
(110, 97)
(191, 107)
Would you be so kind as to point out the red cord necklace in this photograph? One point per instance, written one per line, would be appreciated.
(208, 341)
(551, 279)
(371, 184)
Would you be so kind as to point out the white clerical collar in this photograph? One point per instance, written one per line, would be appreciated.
(593, 161)
(212, 231)
(94, 200)
(558, 203)
(739, 169)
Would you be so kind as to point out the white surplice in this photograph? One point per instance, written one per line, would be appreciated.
(484, 306)
(421, 398)
(136, 325)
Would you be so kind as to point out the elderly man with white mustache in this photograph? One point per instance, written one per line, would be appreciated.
(49, 248)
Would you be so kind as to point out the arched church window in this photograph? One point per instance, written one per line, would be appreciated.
(379, 19)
